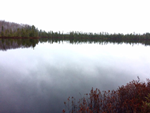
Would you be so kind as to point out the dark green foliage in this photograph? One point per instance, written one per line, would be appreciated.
(2, 31)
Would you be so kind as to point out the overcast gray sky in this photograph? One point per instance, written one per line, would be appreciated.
(112, 16)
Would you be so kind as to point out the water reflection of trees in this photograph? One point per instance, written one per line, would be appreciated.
(25, 43)
(6, 44)
(96, 40)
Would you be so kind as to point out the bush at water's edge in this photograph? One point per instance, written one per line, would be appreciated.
(134, 97)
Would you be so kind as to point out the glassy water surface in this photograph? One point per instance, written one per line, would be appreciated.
(40, 79)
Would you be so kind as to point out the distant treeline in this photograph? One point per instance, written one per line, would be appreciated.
(8, 29)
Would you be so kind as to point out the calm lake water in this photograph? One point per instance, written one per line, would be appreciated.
(40, 79)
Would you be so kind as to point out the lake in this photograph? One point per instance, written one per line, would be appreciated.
(39, 78)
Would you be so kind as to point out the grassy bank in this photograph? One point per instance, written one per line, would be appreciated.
(134, 97)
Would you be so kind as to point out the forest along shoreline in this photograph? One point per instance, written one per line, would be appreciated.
(17, 31)
(19, 37)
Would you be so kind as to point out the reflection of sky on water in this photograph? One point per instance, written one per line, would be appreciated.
(41, 79)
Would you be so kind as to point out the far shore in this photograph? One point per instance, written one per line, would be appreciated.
(19, 37)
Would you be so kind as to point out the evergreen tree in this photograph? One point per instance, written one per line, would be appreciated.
(2, 32)
(6, 33)
(18, 32)
(10, 33)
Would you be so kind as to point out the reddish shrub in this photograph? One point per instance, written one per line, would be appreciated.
(130, 98)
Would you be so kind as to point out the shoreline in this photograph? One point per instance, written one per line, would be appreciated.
(19, 37)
